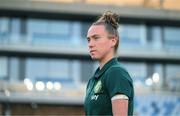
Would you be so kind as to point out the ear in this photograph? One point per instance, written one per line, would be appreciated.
(113, 41)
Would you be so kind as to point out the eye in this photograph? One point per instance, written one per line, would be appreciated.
(96, 38)
(88, 40)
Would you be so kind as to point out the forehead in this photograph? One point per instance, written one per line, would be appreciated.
(96, 30)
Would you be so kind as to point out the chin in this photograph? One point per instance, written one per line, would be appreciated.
(94, 58)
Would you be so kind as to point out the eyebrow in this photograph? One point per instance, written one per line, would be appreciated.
(95, 35)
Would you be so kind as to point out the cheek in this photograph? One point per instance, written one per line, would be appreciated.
(105, 46)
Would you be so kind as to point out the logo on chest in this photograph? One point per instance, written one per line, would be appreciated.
(97, 89)
(94, 97)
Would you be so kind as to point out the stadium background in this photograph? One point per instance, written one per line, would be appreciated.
(44, 61)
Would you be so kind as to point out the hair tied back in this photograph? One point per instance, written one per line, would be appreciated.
(110, 18)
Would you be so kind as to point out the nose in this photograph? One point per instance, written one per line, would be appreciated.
(90, 44)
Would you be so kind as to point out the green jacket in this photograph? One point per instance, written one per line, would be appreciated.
(112, 79)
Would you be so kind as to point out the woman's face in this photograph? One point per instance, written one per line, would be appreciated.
(100, 46)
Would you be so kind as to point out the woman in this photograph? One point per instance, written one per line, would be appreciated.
(110, 90)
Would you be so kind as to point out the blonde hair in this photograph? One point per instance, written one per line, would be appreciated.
(110, 21)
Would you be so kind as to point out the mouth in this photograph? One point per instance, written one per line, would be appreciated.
(92, 51)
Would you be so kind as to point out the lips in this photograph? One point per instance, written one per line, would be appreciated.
(91, 51)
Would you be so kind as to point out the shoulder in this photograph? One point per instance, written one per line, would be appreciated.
(118, 71)
(118, 80)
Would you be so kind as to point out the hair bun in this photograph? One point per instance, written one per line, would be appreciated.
(110, 18)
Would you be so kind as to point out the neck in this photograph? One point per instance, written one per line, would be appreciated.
(103, 61)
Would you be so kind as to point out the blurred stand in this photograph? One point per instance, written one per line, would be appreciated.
(44, 60)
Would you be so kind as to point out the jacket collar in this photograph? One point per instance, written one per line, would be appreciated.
(99, 72)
